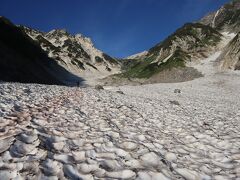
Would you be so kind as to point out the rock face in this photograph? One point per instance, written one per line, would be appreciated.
(191, 41)
(230, 57)
(140, 55)
(75, 53)
(22, 60)
(227, 18)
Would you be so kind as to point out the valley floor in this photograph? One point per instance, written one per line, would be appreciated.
(149, 132)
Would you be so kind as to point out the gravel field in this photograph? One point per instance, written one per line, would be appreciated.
(129, 132)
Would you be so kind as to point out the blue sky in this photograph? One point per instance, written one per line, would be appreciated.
(118, 27)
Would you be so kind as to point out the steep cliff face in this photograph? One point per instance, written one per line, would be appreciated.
(193, 38)
(23, 60)
(227, 18)
(75, 53)
(230, 57)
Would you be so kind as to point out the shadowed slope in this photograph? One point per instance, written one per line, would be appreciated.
(22, 60)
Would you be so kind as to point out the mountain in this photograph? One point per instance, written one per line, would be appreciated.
(75, 53)
(58, 57)
(230, 57)
(227, 18)
(192, 41)
(23, 60)
(174, 59)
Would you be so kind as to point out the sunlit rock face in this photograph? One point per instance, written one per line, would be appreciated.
(75, 53)
(227, 18)
(230, 57)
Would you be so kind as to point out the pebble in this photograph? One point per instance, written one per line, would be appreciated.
(79, 156)
(72, 173)
(8, 174)
(20, 149)
(129, 146)
(28, 138)
(5, 144)
(187, 174)
(51, 167)
(158, 176)
(150, 159)
(143, 176)
(124, 174)
(170, 157)
(63, 158)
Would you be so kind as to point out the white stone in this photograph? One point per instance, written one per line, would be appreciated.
(171, 157)
(150, 159)
(123, 174)
(129, 146)
(187, 174)
(7, 174)
(143, 176)
(72, 173)
(79, 156)
(158, 176)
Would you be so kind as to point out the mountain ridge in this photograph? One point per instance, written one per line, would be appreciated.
(186, 47)
(22, 59)
(193, 40)
(226, 18)
(75, 53)
(176, 54)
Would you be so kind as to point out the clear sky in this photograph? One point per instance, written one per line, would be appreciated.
(118, 27)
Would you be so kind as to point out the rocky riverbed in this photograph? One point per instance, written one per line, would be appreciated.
(129, 132)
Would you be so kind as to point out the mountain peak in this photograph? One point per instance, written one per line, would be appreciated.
(58, 32)
(75, 53)
(84, 39)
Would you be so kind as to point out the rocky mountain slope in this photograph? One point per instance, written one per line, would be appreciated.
(171, 60)
(230, 57)
(166, 62)
(227, 18)
(22, 59)
(75, 53)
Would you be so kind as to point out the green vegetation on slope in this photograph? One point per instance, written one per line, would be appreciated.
(195, 35)
(147, 67)
(211, 37)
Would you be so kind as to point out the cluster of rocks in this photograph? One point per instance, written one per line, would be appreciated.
(56, 132)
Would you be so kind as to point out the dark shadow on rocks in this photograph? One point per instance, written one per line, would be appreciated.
(23, 60)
